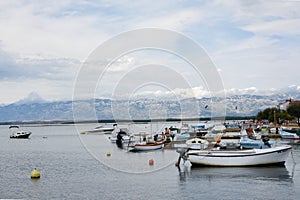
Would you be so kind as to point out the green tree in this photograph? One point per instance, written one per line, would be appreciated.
(268, 114)
(294, 110)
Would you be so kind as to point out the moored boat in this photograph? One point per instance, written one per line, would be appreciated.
(121, 133)
(100, 130)
(247, 143)
(249, 157)
(147, 146)
(19, 133)
(197, 143)
(288, 135)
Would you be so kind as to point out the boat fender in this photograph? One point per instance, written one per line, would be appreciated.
(187, 165)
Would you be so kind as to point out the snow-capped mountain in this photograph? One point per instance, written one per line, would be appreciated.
(143, 108)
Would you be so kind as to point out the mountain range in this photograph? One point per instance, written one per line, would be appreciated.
(36, 109)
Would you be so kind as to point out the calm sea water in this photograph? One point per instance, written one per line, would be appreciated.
(75, 166)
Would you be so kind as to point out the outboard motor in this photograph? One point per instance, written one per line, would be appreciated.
(266, 141)
(119, 141)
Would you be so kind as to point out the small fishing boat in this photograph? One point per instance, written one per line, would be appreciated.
(197, 143)
(288, 135)
(181, 133)
(146, 143)
(247, 143)
(237, 157)
(251, 135)
(201, 129)
(100, 129)
(181, 136)
(19, 133)
(147, 146)
(121, 133)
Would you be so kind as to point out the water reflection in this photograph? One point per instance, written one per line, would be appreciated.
(273, 173)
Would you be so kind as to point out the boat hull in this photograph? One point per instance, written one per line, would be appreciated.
(148, 146)
(21, 136)
(253, 157)
(288, 135)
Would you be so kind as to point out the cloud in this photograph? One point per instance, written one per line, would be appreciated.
(281, 27)
(14, 67)
(179, 21)
(251, 42)
(35, 28)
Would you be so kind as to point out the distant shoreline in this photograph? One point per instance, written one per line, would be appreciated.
(124, 120)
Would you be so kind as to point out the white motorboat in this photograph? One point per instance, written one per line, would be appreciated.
(250, 157)
(288, 135)
(19, 133)
(100, 129)
(182, 133)
(197, 143)
(123, 134)
(247, 143)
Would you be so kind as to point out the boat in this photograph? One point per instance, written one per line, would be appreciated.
(121, 133)
(197, 143)
(147, 146)
(201, 129)
(288, 135)
(180, 133)
(247, 143)
(19, 133)
(291, 130)
(145, 143)
(100, 129)
(238, 157)
(252, 134)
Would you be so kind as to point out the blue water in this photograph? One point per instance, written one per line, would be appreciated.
(76, 167)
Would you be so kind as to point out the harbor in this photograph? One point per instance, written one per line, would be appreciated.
(76, 166)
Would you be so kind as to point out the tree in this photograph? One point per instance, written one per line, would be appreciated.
(268, 114)
(294, 110)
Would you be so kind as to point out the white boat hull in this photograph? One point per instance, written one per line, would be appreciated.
(288, 135)
(21, 134)
(125, 139)
(147, 146)
(276, 155)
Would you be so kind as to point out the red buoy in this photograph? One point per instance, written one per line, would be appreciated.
(151, 162)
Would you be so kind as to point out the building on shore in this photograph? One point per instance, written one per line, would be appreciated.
(287, 103)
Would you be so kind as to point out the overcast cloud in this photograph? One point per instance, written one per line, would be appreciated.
(254, 44)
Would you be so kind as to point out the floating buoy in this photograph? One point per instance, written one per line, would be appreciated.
(108, 153)
(151, 162)
(35, 173)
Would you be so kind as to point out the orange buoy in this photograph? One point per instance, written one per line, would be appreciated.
(151, 162)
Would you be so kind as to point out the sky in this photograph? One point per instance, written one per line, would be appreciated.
(254, 46)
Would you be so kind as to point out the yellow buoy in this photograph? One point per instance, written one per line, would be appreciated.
(151, 162)
(35, 173)
(108, 153)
